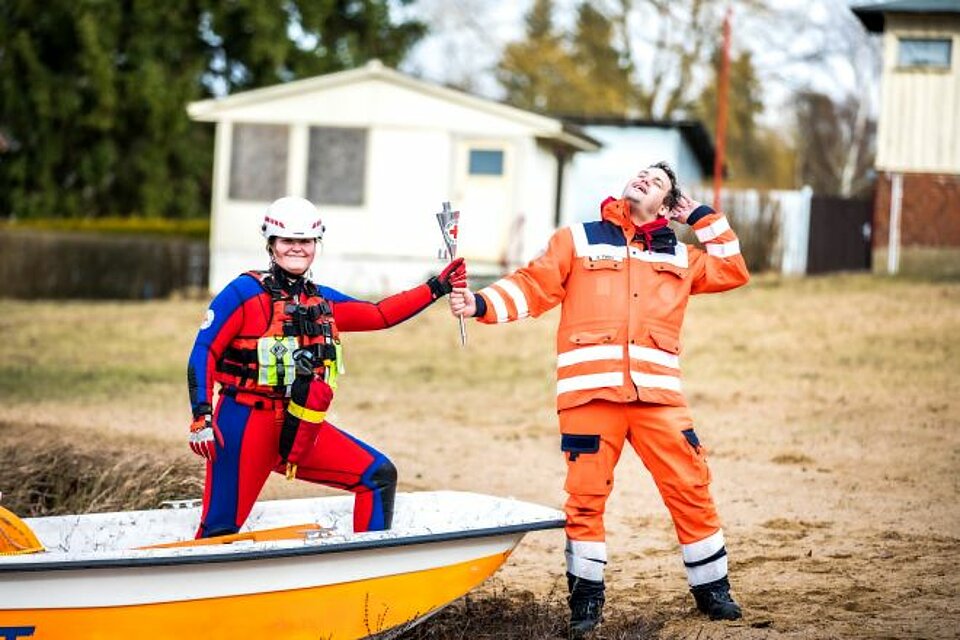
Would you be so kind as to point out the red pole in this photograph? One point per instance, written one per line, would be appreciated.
(723, 82)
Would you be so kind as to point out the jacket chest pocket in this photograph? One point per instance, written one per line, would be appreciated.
(594, 336)
(666, 269)
(604, 274)
(598, 263)
(670, 284)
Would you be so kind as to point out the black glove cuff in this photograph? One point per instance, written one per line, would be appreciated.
(202, 409)
(437, 288)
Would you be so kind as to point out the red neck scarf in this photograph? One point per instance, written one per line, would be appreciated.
(645, 231)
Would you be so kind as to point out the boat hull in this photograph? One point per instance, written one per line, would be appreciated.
(106, 576)
(386, 605)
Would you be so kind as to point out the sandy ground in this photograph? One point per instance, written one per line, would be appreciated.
(831, 410)
(833, 422)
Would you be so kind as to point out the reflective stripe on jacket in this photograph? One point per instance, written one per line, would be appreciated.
(622, 304)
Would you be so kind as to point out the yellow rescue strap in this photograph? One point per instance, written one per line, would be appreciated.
(15, 536)
(310, 415)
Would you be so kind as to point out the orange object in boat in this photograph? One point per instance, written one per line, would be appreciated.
(15, 536)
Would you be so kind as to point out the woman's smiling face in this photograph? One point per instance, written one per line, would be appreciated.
(294, 255)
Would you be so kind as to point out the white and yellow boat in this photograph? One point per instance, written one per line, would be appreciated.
(296, 570)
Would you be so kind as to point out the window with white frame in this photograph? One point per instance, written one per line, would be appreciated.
(337, 166)
(928, 53)
(258, 162)
(486, 162)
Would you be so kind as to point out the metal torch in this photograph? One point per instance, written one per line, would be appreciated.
(449, 223)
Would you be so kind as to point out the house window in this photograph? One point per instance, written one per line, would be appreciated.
(925, 52)
(486, 162)
(337, 166)
(258, 162)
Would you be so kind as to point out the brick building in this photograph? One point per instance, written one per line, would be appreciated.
(918, 147)
(930, 210)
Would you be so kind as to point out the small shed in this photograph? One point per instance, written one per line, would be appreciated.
(379, 152)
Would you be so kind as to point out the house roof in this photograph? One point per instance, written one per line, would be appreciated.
(544, 127)
(871, 14)
(694, 133)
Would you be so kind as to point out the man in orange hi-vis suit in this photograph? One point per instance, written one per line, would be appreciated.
(624, 282)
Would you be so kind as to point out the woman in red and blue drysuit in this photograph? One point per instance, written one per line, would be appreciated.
(271, 340)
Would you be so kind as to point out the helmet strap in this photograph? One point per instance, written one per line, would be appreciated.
(285, 278)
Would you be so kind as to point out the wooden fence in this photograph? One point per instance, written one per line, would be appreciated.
(797, 232)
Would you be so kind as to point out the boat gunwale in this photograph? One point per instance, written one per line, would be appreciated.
(245, 554)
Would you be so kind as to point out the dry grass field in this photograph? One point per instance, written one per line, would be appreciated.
(830, 407)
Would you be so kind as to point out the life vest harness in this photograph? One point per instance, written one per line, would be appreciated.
(301, 339)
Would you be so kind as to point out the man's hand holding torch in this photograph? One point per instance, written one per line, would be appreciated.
(463, 302)
(449, 222)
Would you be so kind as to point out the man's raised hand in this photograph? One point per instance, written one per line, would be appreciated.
(684, 207)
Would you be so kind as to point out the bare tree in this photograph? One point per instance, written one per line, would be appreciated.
(830, 57)
(665, 50)
(464, 45)
(668, 46)
(827, 131)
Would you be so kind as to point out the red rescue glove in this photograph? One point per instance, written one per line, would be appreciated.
(453, 275)
(205, 436)
(309, 401)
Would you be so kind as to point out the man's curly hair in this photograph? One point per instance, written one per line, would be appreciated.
(673, 193)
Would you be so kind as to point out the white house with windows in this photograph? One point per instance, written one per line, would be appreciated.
(379, 152)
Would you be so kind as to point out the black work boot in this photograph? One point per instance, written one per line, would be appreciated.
(713, 599)
(586, 606)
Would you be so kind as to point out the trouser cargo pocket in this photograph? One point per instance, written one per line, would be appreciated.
(587, 473)
(700, 471)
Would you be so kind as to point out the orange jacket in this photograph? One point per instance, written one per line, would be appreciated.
(622, 304)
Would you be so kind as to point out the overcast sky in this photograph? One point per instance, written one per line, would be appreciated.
(467, 37)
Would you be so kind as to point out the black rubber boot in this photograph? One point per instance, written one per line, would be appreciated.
(586, 606)
(713, 599)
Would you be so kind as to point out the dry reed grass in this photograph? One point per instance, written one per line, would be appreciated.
(57, 471)
(498, 612)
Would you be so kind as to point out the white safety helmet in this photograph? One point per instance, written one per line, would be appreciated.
(292, 217)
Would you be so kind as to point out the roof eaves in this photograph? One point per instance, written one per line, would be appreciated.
(693, 132)
(700, 143)
(572, 137)
(872, 14)
(211, 110)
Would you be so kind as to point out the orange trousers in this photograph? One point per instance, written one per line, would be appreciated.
(593, 436)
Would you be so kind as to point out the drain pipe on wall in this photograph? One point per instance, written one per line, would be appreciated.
(896, 202)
